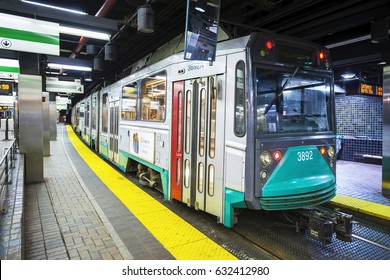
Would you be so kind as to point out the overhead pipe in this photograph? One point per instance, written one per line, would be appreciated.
(104, 10)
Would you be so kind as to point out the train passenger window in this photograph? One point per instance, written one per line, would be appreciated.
(153, 97)
(239, 100)
(129, 102)
(105, 113)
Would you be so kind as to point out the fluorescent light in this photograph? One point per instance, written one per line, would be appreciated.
(69, 67)
(55, 73)
(54, 7)
(200, 9)
(84, 33)
(9, 62)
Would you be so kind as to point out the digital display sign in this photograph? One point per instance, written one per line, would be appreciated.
(288, 53)
(5, 88)
(370, 89)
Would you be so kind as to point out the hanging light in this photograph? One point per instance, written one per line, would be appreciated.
(91, 49)
(379, 31)
(110, 52)
(88, 76)
(145, 17)
(98, 64)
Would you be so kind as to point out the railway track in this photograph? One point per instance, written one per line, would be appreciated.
(266, 235)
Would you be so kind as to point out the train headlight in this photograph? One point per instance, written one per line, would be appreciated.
(265, 158)
(331, 152)
(264, 175)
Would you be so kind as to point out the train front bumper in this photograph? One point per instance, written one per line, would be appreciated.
(299, 182)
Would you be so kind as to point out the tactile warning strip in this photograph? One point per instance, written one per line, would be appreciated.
(363, 206)
(181, 239)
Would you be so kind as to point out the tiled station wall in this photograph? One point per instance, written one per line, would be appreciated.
(359, 121)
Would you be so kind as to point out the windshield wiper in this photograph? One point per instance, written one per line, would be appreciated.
(280, 92)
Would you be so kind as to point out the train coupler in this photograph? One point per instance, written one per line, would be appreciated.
(322, 225)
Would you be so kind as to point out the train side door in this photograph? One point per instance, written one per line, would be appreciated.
(177, 140)
(113, 139)
(199, 106)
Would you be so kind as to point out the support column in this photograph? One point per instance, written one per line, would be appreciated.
(386, 132)
(31, 117)
(46, 124)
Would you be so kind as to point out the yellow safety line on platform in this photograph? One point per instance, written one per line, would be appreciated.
(363, 206)
(181, 239)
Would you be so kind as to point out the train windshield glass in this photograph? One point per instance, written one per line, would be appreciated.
(292, 102)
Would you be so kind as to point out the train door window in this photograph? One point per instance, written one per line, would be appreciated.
(105, 113)
(187, 173)
(213, 116)
(188, 122)
(153, 97)
(77, 116)
(178, 173)
(211, 177)
(94, 107)
(87, 115)
(200, 177)
(180, 122)
(239, 100)
(82, 111)
(129, 102)
(202, 127)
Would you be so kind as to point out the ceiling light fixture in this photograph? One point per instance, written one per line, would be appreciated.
(55, 73)
(145, 19)
(88, 76)
(54, 7)
(84, 33)
(348, 76)
(200, 6)
(69, 67)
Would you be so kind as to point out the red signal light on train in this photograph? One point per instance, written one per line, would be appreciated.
(277, 155)
(269, 45)
(322, 56)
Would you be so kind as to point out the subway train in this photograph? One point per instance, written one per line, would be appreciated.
(253, 129)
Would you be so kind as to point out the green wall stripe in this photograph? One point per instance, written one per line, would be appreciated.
(29, 36)
(9, 69)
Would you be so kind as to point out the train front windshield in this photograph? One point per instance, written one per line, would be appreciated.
(292, 102)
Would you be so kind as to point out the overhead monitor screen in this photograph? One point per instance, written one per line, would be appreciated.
(201, 29)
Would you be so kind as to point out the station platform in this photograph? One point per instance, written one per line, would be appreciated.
(86, 209)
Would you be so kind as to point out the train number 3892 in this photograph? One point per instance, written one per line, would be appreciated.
(305, 155)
